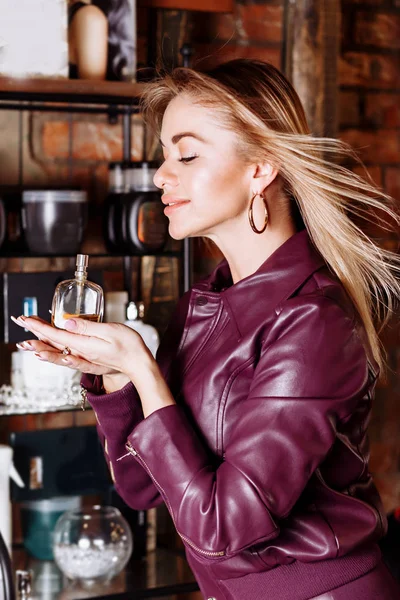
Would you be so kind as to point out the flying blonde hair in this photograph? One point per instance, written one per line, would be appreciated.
(254, 100)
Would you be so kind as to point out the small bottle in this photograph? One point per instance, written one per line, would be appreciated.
(30, 309)
(134, 320)
(77, 298)
(24, 584)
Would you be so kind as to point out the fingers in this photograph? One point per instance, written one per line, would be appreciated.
(89, 328)
(36, 346)
(82, 344)
(45, 352)
(70, 361)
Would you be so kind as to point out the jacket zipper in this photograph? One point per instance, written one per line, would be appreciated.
(83, 393)
(133, 452)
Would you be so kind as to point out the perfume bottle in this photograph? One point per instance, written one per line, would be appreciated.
(134, 320)
(77, 298)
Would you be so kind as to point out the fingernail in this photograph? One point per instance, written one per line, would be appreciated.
(71, 325)
(24, 346)
(66, 361)
(38, 356)
(18, 321)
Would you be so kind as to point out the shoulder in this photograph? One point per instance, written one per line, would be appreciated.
(314, 347)
(320, 307)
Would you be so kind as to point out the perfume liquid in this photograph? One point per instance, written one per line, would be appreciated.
(77, 298)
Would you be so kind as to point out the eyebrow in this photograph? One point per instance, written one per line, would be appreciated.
(176, 138)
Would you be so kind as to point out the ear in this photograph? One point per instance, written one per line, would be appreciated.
(263, 175)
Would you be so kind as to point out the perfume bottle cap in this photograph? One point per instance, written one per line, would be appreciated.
(135, 311)
(82, 260)
(132, 311)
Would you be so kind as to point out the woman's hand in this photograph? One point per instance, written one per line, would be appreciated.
(96, 348)
(101, 349)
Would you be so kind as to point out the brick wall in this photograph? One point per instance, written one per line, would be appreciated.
(370, 122)
(253, 30)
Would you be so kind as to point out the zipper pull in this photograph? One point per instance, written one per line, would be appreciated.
(130, 448)
(131, 451)
(124, 456)
(84, 397)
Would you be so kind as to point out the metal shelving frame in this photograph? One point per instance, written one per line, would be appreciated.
(87, 97)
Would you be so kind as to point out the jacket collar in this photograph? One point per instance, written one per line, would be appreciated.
(284, 271)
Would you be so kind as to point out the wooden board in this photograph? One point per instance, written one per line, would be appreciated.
(70, 89)
(203, 5)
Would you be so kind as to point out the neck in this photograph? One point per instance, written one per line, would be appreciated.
(245, 250)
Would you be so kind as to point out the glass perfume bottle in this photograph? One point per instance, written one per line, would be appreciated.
(77, 298)
(134, 320)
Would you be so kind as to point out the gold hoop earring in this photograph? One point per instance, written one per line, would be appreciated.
(251, 219)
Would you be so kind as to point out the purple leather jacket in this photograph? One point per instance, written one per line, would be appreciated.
(263, 461)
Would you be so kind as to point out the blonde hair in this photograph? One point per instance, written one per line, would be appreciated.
(254, 100)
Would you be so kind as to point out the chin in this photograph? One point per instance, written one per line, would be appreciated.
(180, 233)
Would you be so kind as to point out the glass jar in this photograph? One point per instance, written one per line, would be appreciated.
(93, 545)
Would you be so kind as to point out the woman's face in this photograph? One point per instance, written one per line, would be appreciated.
(202, 176)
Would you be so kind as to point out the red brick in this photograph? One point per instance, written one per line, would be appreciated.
(384, 457)
(210, 55)
(92, 140)
(383, 110)
(55, 139)
(374, 171)
(370, 2)
(369, 70)
(374, 147)
(377, 29)
(392, 182)
(391, 426)
(349, 109)
(97, 141)
(389, 488)
(249, 22)
(260, 22)
(207, 27)
(141, 50)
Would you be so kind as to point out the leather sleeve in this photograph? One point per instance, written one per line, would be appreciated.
(118, 413)
(311, 373)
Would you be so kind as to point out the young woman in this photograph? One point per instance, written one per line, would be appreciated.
(251, 425)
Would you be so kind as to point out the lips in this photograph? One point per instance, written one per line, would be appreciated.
(174, 205)
(174, 200)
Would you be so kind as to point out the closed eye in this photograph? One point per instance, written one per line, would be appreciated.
(187, 159)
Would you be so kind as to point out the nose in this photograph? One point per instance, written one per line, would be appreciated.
(165, 177)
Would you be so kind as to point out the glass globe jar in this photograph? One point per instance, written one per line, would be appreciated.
(92, 545)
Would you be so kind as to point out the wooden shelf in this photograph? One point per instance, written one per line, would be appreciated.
(160, 253)
(70, 91)
(12, 411)
(221, 6)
